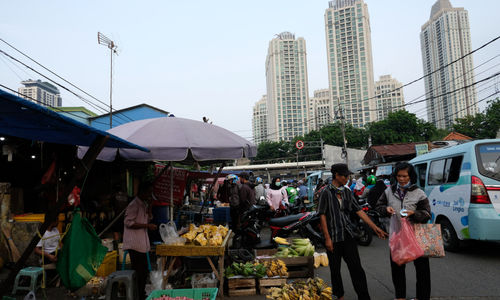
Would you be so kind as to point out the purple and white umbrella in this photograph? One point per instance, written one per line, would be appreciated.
(177, 139)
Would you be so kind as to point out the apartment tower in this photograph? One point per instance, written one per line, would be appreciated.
(259, 121)
(444, 39)
(287, 87)
(350, 63)
(42, 93)
(321, 109)
(389, 96)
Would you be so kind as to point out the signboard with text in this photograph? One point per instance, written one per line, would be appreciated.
(162, 186)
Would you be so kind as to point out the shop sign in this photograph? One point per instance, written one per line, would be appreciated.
(162, 186)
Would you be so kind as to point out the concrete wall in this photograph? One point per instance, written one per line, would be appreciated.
(333, 154)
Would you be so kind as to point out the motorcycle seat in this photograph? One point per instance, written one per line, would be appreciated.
(283, 221)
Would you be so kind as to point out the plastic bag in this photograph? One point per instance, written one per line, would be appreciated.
(168, 231)
(402, 242)
(30, 296)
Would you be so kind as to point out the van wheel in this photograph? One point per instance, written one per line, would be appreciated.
(450, 239)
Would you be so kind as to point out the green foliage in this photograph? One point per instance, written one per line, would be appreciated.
(401, 127)
(482, 125)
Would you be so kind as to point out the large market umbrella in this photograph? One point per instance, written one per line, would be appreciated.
(177, 139)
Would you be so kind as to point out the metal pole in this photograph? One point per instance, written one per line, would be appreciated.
(342, 125)
(111, 89)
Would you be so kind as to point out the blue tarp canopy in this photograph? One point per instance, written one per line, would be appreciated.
(25, 119)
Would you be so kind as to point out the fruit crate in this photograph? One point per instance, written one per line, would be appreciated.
(195, 294)
(266, 283)
(298, 267)
(241, 286)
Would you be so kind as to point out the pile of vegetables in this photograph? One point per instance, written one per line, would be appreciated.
(299, 247)
(248, 270)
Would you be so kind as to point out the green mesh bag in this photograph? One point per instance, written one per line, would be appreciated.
(81, 255)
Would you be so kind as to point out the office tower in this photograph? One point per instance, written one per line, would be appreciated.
(444, 39)
(389, 96)
(287, 87)
(42, 93)
(321, 109)
(350, 63)
(259, 121)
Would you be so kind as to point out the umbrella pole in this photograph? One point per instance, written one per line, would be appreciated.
(171, 191)
(212, 186)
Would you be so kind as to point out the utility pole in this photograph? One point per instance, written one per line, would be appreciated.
(322, 151)
(342, 126)
(103, 40)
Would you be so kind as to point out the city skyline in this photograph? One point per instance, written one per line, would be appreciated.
(203, 59)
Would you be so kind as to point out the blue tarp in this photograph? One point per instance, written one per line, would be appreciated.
(28, 120)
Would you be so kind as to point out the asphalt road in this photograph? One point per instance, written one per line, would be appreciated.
(472, 273)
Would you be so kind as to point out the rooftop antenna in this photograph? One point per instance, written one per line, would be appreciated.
(103, 40)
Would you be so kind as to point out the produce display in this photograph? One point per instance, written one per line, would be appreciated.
(248, 270)
(275, 268)
(312, 289)
(299, 247)
(206, 235)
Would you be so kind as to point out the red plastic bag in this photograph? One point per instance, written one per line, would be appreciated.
(402, 241)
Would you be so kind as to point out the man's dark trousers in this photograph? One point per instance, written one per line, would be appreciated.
(139, 262)
(348, 250)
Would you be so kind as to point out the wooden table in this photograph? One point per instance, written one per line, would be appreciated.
(164, 251)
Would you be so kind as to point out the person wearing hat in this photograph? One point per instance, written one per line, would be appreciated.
(336, 204)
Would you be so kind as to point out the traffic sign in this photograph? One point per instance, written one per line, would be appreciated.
(299, 144)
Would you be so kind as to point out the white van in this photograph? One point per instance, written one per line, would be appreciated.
(463, 186)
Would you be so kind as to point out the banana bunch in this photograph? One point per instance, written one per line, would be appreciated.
(275, 267)
(303, 247)
(312, 289)
(281, 241)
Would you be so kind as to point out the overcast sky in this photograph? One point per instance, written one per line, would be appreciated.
(207, 58)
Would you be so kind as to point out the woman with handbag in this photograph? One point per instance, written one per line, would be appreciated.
(407, 199)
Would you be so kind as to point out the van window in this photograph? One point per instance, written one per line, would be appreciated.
(422, 172)
(488, 160)
(445, 170)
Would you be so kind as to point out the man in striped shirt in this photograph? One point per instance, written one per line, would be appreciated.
(336, 204)
(135, 233)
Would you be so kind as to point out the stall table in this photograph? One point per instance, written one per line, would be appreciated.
(164, 251)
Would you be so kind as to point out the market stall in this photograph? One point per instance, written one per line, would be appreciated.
(196, 247)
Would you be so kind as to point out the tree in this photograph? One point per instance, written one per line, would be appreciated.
(401, 127)
(482, 125)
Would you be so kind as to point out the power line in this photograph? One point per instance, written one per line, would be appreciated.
(55, 74)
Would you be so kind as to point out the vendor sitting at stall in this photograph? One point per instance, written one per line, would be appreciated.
(49, 244)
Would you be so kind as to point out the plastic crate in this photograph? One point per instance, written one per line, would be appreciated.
(108, 264)
(222, 215)
(195, 294)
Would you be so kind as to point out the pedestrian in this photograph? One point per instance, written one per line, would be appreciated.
(234, 200)
(135, 233)
(260, 191)
(247, 194)
(404, 194)
(336, 204)
(276, 194)
(302, 190)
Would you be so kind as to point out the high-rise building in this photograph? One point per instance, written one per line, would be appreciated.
(389, 96)
(350, 63)
(259, 121)
(444, 39)
(42, 93)
(321, 109)
(287, 87)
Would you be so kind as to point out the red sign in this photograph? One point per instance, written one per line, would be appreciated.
(299, 144)
(162, 186)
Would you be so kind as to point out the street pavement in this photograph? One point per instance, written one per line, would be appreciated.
(472, 273)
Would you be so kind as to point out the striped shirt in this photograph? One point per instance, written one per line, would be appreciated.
(136, 239)
(337, 212)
